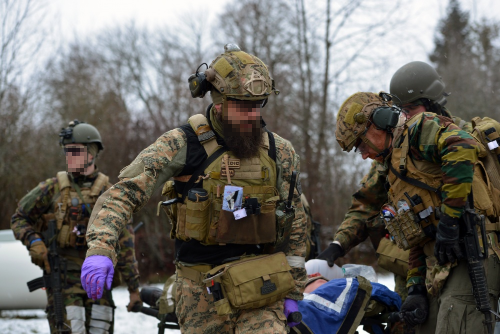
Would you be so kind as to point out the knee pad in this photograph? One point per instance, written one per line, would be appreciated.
(76, 317)
(100, 319)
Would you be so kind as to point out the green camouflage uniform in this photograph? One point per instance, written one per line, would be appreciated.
(156, 164)
(39, 201)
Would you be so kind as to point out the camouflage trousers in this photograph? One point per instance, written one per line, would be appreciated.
(196, 313)
(454, 309)
(76, 302)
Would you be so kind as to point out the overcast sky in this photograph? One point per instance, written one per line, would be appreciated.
(82, 18)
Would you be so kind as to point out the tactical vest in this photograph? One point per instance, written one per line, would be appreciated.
(202, 217)
(415, 194)
(72, 210)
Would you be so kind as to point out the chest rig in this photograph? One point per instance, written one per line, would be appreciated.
(415, 194)
(72, 209)
(197, 213)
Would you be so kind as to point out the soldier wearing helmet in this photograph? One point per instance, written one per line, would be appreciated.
(418, 88)
(225, 151)
(69, 199)
(429, 168)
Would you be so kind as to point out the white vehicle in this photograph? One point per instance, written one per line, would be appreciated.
(15, 270)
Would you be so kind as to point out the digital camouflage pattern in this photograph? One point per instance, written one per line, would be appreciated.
(27, 220)
(163, 159)
(196, 313)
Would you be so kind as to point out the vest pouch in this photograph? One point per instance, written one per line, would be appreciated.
(254, 281)
(223, 307)
(481, 192)
(253, 229)
(197, 214)
(171, 210)
(63, 236)
(406, 232)
(392, 258)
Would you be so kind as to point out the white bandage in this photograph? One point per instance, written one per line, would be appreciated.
(76, 317)
(101, 312)
(296, 261)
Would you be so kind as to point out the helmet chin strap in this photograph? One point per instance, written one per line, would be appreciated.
(381, 153)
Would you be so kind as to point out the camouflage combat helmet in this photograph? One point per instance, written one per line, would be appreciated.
(80, 133)
(239, 75)
(418, 80)
(353, 118)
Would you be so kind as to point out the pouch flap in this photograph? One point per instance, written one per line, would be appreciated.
(258, 267)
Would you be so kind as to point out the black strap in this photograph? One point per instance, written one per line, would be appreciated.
(353, 311)
(200, 170)
(301, 328)
(415, 182)
(272, 145)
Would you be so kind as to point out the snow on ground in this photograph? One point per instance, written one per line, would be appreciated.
(35, 322)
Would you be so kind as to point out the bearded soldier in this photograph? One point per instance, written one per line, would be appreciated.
(226, 150)
(362, 219)
(68, 200)
(431, 163)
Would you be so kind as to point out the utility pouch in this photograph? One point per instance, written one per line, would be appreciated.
(392, 258)
(284, 221)
(252, 229)
(253, 282)
(197, 214)
(406, 232)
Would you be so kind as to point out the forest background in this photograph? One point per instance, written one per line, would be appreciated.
(130, 81)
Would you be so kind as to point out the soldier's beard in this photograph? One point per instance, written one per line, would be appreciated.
(243, 144)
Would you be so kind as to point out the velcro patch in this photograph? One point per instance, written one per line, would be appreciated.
(223, 67)
(353, 110)
(244, 57)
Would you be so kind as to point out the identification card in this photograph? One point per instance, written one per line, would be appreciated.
(233, 198)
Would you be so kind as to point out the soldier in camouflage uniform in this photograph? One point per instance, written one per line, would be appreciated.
(362, 219)
(448, 155)
(240, 85)
(75, 192)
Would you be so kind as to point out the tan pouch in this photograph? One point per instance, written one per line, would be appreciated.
(63, 236)
(255, 281)
(171, 210)
(197, 219)
(166, 303)
(392, 258)
(406, 232)
(253, 229)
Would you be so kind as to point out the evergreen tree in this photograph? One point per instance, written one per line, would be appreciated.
(466, 57)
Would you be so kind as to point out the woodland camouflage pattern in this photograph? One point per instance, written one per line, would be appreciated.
(39, 201)
(163, 159)
(435, 139)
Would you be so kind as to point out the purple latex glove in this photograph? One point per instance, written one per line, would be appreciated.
(96, 270)
(290, 307)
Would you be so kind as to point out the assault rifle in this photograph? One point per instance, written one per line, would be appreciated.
(475, 258)
(150, 296)
(53, 279)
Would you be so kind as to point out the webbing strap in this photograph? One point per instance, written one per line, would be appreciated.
(78, 191)
(200, 170)
(301, 328)
(415, 182)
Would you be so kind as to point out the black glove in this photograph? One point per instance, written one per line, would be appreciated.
(447, 248)
(416, 300)
(332, 253)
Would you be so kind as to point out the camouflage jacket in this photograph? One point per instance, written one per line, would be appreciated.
(156, 164)
(40, 200)
(435, 139)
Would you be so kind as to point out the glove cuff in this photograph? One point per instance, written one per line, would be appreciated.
(338, 248)
(449, 221)
(417, 289)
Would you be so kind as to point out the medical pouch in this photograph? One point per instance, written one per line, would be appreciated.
(254, 281)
